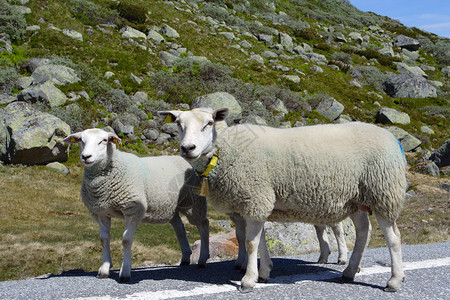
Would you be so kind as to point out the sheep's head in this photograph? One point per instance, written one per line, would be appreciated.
(196, 129)
(95, 144)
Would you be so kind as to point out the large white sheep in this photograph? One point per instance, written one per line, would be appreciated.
(315, 174)
(150, 189)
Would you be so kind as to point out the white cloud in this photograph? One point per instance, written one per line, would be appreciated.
(436, 25)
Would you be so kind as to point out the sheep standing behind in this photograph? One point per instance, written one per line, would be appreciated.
(150, 189)
(314, 174)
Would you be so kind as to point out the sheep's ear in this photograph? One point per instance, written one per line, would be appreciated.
(169, 116)
(220, 114)
(113, 138)
(74, 138)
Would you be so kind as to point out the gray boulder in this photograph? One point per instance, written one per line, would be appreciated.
(408, 86)
(220, 100)
(57, 74)
(441, 157)
(131, 33)
(316, 69)
(245, 44)
(405, 69)
(339, 37)
(285, 239)
(35, 137)
(155, 36)
(5, 138)
(73, 34)
(330, 108)
(427, 168)
(58, 167)
(169, 31)
(121, 128)
(387, 50)
(167, 58)
(356, 36)
(46, 92)
(413, 55)
(150, 133)
(388, 115)
(407, 141)
(426, 129)
(406, 42)
(446, 71)
(255, 119)
(140, 97)
(269, 54)
(257, 59)
(293, 78)
(266, 39)
(170, 128)
(286, 41)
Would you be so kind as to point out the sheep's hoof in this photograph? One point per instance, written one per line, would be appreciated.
(346, 279)
(341, 262)
(185, 263)
(390, 289)
(322, 261)
(101, 276)
(245, 290)
(201, 266)
(124, 279)
(262, 280)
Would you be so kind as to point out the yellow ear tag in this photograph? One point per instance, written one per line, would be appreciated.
(168, 119)
(73, 140)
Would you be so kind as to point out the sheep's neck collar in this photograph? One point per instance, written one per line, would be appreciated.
(211, 165)
(204, 185)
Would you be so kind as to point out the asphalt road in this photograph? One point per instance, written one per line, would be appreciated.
(427, 269)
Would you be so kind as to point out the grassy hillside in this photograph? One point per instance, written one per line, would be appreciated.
(45, 228)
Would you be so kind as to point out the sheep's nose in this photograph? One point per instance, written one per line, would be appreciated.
(85, 157)
(187, 149)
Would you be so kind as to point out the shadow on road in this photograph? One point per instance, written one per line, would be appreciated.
(285, 271)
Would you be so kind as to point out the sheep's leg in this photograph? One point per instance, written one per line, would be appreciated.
(203, 229)
(241, 261)
(392, 235)
(252, 240)
(180, 232)
(127, 241)
(338, 230)
(265, 261)
(323, 243)
(363, 229)
(105, 229)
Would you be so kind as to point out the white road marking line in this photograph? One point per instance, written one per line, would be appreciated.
(298, 278)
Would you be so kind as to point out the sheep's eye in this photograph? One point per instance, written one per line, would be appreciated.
(210, 123)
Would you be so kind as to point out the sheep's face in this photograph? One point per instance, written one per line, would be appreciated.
(95, 144)
(196, 130)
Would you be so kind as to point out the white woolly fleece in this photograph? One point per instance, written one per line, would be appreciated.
(314, 174)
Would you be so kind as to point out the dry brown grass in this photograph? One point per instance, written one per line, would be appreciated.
(426, 216)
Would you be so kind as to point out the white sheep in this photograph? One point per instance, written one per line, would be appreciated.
(150, 189)
(315, 174)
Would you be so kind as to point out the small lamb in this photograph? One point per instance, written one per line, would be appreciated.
(315, 174)
(150, 189)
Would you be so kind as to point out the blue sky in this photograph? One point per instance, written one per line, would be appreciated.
(429, 15)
